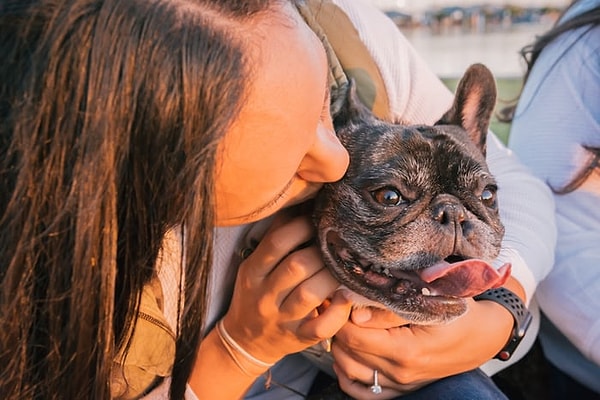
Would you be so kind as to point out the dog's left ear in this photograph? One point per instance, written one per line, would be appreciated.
(474, 104)
(351, 109)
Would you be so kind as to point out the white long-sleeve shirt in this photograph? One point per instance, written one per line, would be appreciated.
(415, 95)
(558, 114)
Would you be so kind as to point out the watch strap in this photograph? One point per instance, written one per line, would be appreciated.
(522, 317)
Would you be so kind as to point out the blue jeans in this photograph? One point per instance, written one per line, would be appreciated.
(471, 385)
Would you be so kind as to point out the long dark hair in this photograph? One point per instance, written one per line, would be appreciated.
(110, 116)
(530, 54)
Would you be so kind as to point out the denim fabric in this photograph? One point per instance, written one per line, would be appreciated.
(471, 385)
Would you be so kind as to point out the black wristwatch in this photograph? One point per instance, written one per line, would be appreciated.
(520, 313)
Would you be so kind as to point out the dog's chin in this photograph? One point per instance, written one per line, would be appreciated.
(399, 291)
(436, 314)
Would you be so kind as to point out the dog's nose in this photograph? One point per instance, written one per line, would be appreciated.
(449, 213)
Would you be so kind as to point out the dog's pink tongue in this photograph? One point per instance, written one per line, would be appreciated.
(465, 278)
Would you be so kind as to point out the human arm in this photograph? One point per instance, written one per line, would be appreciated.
(410, 356)
(271, 312)
(560, 108)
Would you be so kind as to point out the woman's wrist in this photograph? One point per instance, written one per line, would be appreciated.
(503, 319)
(246, 362)
(514, 286)
(495, 325)
(218, 374)
(515, 305)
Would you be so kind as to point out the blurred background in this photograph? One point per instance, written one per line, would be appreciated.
(453, 34)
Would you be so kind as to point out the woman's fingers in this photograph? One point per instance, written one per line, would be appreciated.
(366, 342)
(370, 317)
(328, 321)
(279, 241)
(308, 294)
(356, 377)
(358, 380)
(293, 270)
(302, 281)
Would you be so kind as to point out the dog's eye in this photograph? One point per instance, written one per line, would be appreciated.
(488, 197)
(387, 196)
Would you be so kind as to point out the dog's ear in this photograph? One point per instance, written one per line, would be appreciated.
(351, 109)
(474, 104)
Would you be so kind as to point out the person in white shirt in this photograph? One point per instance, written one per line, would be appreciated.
(556, 132)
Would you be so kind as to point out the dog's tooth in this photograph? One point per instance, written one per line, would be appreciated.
(357, 270)
(386, 271)
(425, 292)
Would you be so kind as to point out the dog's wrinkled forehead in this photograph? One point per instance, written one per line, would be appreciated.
(434, 153)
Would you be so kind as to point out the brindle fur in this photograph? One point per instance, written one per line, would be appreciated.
(441, 175)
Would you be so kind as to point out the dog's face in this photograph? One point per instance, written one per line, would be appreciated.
(414, 223)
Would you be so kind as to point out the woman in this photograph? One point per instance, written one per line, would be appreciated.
(132, 130)
(556, 131)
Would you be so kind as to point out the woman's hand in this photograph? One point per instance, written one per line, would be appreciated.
(408, 357)
(279, 286)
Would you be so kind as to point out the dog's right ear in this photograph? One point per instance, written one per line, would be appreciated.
(474, 104)
(352, 110)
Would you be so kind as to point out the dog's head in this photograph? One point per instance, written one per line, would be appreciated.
(414, 223)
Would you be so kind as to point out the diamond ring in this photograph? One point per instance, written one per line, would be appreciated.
(376, 387)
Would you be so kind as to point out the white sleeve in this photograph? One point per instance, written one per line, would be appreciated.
(559, 113)
(417, 95)
(527, 211)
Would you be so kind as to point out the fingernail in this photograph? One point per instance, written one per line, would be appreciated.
(345, 293)
(326, 344)
(340, 298)
(361, 315)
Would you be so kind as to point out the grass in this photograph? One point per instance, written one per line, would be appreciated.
(508, 91)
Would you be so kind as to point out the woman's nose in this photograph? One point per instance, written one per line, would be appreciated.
(327, 160)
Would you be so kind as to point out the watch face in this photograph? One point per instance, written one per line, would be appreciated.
(523, 325)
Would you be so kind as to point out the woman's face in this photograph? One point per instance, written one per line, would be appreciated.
(282, 147)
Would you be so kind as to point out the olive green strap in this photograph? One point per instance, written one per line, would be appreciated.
(347, 55)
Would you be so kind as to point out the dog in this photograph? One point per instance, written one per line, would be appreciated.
(414, 223)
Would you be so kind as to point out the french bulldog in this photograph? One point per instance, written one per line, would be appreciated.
(413, 225)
